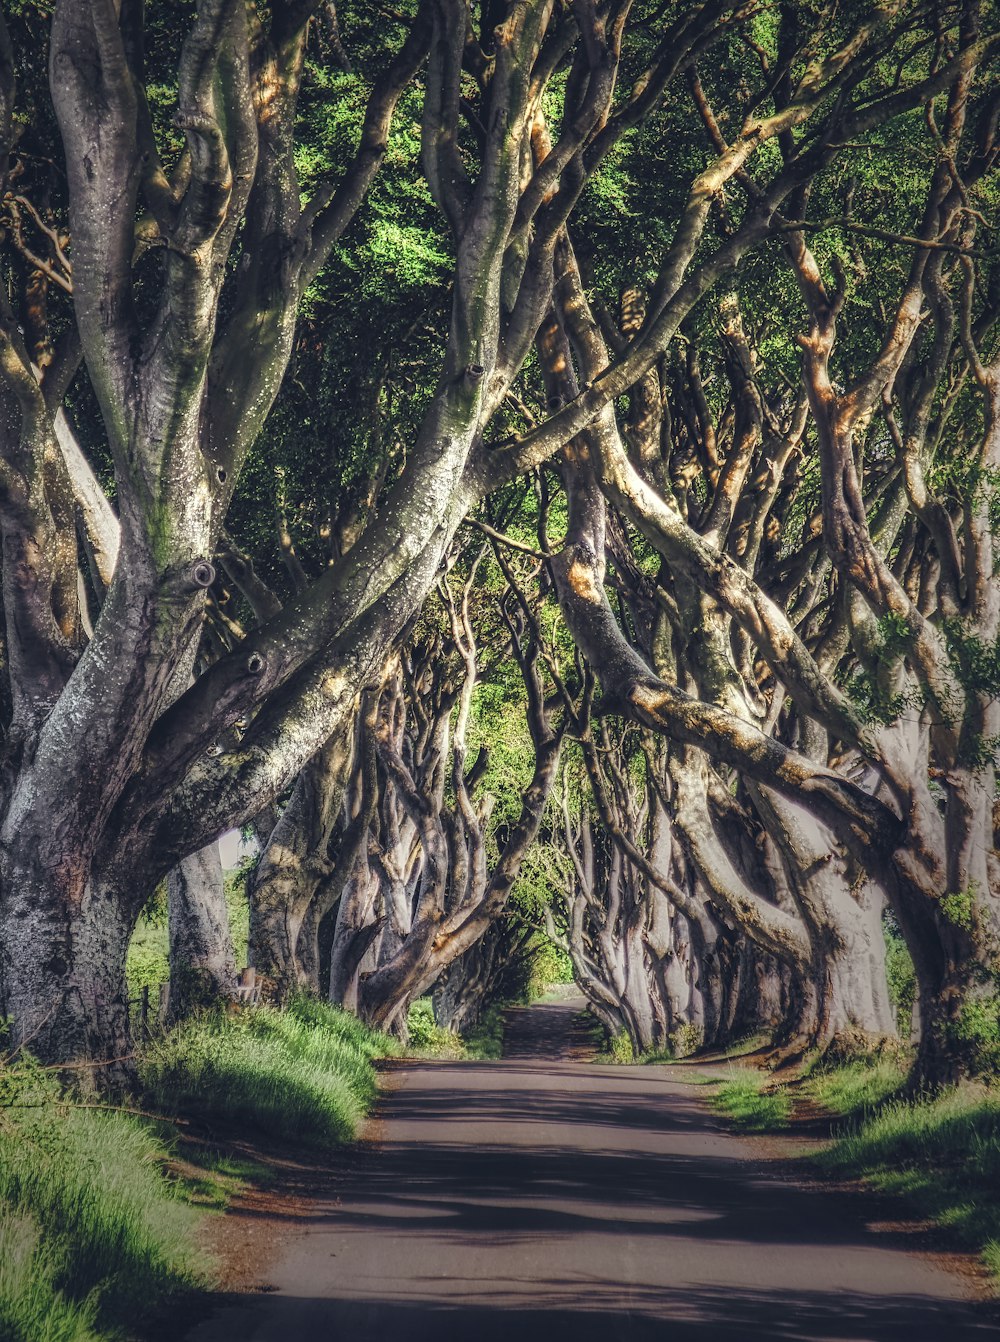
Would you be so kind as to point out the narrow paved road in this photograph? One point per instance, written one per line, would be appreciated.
(544, 1200)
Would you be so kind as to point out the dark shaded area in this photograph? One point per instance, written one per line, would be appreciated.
(550, 1030)
(662, 1316)
(540, 1199)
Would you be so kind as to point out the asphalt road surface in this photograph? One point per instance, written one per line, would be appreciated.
(542, 1199)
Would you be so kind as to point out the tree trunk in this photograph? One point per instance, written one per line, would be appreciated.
(356, 927)
(956, 1000)
(202, 961)
(294, 865)
(62, 976)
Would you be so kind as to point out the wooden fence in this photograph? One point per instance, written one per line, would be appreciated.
(147, 1020)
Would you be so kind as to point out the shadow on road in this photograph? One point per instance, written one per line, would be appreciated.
(590, 1314)
(540, 1199)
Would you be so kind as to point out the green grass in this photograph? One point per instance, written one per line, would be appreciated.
(943, 1155)
(93, 1234)
(304, 1075)
(429, 1040)
(486, 1040)
(210, 1177)
(745, 1100)
(97, 1215)
(31, 1307)
(855, 1087)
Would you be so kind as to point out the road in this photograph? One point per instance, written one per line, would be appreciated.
(542, 1198)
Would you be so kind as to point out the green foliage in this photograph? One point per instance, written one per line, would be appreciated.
(975, 661)
(550, 965)
(31, 1307)
(148, 961)
(976, 1033)
(942, 1154)
(867, 688)
(304, 1075)
(426, 1036)
(498, 724)
(147, 964)
(856, 1087)
(900, 975)
(959, 908)
(620, 1048)
(686, 1039)
(92, 1235)
(483, 1041)
(238, 909)
(746, 1100)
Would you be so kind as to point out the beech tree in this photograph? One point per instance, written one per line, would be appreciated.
(127, 750)
(438, 893)
(892, 828)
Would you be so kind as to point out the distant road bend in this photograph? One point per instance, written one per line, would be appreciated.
(544, 1199)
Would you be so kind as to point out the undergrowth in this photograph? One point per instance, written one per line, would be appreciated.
(148, 961)
(304, 1075)
(93, 1235)
(484, 1041)
(97, 1216)
(855, 1087)
(942, 1154)
(425, 1036)
(745, 1099)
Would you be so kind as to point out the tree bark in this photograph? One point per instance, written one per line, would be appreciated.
(202, 960)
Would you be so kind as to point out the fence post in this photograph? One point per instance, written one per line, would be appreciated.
(144, 1008)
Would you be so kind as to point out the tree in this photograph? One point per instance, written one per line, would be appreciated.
(191, 259)
(892, 829)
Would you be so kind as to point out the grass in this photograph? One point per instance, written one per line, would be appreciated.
(211, 1177)
(98, 1213)
(942, 1154)
(31, 1307)
(745, 1099)
(304, 1075)
(428, 1039)
(855, 1087)
(93, 1234)
(97, 1218)
(485, 1042)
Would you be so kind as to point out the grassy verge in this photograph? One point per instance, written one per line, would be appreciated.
(853, 1089)
(942, 1155)
(94, 1237)
(304, 1075)
(99, 1207)
(486, 1040)
(747, 1100)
